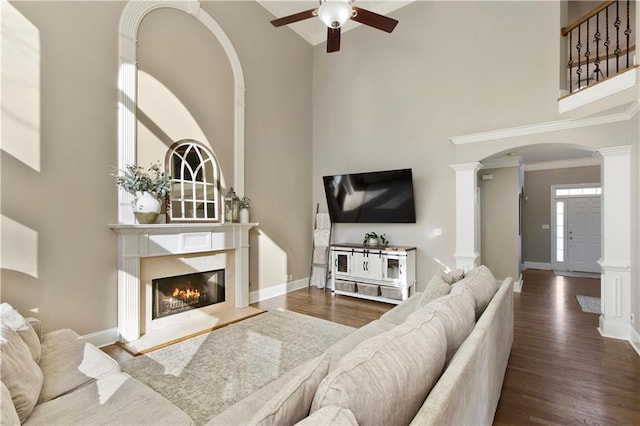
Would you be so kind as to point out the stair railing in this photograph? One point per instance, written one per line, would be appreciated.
(605, 31)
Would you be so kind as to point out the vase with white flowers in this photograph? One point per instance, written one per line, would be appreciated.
(147, 186)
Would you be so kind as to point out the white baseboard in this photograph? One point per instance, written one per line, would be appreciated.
(517, 285)
(277, 290)
(103, 337)
(537, 265)
(635, 340)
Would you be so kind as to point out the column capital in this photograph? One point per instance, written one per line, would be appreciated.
(474, 166)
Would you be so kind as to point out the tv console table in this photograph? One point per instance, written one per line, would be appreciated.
(385, 274)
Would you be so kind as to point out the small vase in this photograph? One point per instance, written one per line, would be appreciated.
(146, 207)
(373, 242)
(244, 215)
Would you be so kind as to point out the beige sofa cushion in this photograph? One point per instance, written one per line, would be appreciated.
(117, 399)
(351, 341)
(13, 319)
(399, 313)
(453, 276)
(20, 373)
(457, 313)
(330, 416)
(8, 414)
(386, 378)
(436, 287)
(292, 403)
(70, 364)
(483, 286)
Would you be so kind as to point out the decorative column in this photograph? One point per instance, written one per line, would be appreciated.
(467, 216)
(615, 285)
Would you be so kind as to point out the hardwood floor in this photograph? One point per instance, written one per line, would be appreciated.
(561, 371)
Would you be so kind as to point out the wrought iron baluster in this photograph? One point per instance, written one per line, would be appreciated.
(570, 61)
(607, 42)
(579, 49)
(627, 32)
(617, 25)
(587, 53)
(596, 38)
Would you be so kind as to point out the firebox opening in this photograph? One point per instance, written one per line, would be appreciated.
(172, 295)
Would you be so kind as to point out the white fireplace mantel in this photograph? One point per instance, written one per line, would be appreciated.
(138, 241)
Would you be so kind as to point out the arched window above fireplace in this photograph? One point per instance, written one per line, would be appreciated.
(195, 186)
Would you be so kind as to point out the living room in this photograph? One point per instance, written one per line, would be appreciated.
(385, 101)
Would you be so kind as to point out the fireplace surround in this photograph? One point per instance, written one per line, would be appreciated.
(143, 254)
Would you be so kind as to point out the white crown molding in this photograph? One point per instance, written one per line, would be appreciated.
(466, 166)
(551, 126)
(616, 150)
(562, 164)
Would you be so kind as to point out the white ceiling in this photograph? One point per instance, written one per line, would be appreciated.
(313, 30)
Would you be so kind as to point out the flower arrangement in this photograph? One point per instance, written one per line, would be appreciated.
(244, 202)
(135, 179)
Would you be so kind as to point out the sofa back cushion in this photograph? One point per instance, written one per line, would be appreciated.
(293, 401)
(436, 287)
(482, 284)
(385, 379)
(8, 414)
(12, 319)
(330, 416)
(457, 313)
(20, 373)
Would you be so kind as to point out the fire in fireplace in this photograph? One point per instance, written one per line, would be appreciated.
(172, 295)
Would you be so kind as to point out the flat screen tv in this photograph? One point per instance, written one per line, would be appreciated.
(373, 197)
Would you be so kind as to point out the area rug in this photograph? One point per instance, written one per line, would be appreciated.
(207, 374)
(589, 304)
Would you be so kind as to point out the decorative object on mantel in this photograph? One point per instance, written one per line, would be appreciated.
(147, 186)
(372, 239)
(244, 209)
(231, 206)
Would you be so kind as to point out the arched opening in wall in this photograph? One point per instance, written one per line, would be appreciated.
(540, 211)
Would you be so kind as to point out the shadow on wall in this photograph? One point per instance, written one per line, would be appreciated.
(21, 140)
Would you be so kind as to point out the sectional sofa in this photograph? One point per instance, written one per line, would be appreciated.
(437, 358)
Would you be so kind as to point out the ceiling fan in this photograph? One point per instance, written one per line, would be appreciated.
(334, 13)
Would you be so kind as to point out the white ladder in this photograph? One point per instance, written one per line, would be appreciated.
(319, 271)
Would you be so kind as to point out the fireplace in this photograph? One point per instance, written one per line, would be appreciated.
(180, 293)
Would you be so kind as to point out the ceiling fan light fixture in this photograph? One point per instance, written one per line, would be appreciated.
(334, 13)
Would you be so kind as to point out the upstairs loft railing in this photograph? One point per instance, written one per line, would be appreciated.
(600, 44)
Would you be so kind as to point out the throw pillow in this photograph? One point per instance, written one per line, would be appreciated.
(12, 319)
(482, 284)
(20, 373)
(436, 287)
(8, 415)
(292, 403)
(457, 313)
(453, 276)
(386, 378)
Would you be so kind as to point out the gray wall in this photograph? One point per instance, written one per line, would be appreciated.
(537, 207)
(500, 237)
(393, 100)
(62, 267)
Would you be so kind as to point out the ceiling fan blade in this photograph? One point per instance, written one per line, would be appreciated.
(374, 20)
(300, 16)
(333, 39)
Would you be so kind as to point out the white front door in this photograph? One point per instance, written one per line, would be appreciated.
(583, 234)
